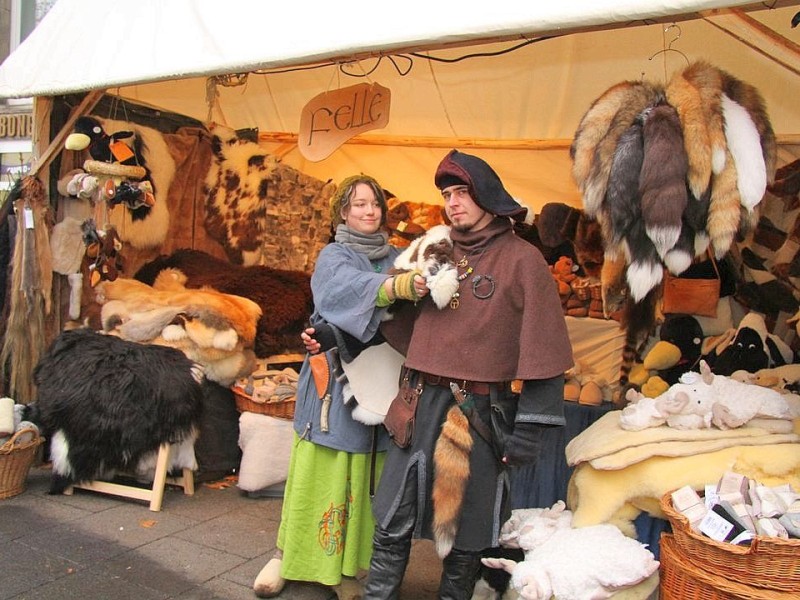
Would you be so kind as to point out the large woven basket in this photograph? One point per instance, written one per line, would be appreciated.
(769, 563)
(280, 410)
(681, 579)
(16, 458)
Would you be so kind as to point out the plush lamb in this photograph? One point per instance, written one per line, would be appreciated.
(700, 400)
(586, 563)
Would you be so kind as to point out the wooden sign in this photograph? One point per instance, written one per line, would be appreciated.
(16, 125)
(332, 118)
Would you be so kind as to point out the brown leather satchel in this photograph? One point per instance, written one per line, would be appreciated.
(399, 421)
(692, 296)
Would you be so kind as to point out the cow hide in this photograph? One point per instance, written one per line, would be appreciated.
(283, 296)
(261, 211)
(106, 404)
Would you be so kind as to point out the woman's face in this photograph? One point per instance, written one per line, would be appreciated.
(363, 213)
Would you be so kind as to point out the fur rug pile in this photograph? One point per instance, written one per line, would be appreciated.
(106, 404)
(213, 329)
(283, 296)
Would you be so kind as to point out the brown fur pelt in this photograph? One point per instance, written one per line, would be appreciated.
(29, 297)
(451, 471)
(662, 181)
(284, 296)
(592, 149)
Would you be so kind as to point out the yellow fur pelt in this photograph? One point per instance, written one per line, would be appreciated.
(451, 471)
(240, 313)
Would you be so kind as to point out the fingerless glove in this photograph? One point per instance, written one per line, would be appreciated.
(525, 443)
(403, 286)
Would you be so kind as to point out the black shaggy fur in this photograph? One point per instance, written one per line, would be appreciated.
(113, 401)
(284, 296)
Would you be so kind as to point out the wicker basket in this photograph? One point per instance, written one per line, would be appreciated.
(769, 563)
(681, 579)
(280, 410)
(16, 458)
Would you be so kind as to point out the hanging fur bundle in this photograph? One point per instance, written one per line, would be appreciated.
(666, 172)
(31, 282)
(451, 471)
(106, 403)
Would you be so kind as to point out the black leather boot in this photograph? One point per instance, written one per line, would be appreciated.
(391, 547)
(388, 566)
(460, 571)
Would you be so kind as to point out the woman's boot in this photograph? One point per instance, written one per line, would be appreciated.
(269, 582)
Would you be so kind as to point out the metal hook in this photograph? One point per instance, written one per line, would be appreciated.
(669, 47)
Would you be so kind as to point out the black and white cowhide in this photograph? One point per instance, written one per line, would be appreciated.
(107, 404)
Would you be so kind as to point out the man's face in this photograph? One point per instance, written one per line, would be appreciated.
(463, 212)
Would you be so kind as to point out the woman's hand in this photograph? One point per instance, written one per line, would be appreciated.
(312, 345)
(420, 286)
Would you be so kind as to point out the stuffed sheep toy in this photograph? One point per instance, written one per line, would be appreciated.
(700, 400)
(585, 563)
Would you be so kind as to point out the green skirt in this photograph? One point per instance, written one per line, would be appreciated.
(326, 521)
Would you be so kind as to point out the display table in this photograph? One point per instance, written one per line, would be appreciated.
(543, 484)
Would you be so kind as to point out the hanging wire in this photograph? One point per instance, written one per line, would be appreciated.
(395, 58)
(666, 48)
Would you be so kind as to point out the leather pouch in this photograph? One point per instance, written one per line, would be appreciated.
(690, 296)
(399, 421)
(321, 372)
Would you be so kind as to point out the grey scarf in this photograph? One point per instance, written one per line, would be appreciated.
(374, 245)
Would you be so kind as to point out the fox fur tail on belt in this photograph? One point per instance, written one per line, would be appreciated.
(451, 472)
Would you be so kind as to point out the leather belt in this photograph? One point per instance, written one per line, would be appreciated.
(470, 387)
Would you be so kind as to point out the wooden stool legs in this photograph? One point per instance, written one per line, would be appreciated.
(155, 494)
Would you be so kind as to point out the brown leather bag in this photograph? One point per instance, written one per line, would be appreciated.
(691, 296)
(399, 421)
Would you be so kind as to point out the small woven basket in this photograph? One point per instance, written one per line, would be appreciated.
(279, 410)
(769, 563)
(681, 579)
(16, 458)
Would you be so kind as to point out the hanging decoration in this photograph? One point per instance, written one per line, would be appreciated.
(672, 170)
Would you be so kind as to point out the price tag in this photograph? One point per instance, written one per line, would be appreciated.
(27, 215)
(715, 526)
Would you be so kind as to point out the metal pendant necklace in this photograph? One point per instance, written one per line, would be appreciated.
(468, 270)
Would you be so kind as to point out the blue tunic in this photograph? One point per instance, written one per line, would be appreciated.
(345, 286)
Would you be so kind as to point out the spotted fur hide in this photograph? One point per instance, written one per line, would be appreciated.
(253, 200)
(283, 296)
(106, 404)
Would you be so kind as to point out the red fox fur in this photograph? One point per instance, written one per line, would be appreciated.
(451, 471)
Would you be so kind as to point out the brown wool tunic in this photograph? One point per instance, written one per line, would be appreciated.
(518, 332)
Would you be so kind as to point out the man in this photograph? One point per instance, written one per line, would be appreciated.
(504, 323)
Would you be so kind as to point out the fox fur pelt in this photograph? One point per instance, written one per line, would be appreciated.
(283, 296)
(451, 472)
(668, 171)
(106, 403)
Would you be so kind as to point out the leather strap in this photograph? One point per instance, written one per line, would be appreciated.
(471, 387)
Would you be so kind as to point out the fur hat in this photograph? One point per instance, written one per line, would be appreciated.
(484, 184)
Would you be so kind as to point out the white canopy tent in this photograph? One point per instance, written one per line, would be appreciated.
(517, 108)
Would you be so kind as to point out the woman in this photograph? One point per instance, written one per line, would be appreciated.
(326, 527)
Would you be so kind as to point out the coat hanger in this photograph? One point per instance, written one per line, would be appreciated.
(669, 47)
